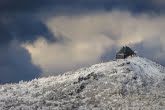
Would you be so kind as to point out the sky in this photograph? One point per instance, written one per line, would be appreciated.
(49, 37)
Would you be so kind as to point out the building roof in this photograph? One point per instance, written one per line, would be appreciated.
(126, 50)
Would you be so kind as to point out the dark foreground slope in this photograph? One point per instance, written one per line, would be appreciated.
(134, 83)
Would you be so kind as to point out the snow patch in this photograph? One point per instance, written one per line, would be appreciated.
(132, 83)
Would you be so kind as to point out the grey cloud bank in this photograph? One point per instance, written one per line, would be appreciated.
(93, 38)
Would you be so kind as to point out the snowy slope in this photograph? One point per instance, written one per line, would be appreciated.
(131, 84)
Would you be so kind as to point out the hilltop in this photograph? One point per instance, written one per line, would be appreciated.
(133, 83)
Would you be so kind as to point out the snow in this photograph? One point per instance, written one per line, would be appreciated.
(134, 83)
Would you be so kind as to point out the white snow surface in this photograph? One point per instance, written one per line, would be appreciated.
(128, 84)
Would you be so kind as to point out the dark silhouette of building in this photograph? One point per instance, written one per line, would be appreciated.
(125, 52)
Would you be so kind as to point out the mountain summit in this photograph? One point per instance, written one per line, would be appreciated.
(133, 83)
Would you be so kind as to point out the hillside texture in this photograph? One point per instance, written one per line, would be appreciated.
(130, 84)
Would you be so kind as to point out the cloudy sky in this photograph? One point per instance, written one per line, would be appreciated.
(48, 37)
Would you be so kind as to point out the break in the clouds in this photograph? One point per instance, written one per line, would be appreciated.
(90, 38)
(45, 37)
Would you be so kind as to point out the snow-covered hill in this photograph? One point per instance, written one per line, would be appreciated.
(131, 84)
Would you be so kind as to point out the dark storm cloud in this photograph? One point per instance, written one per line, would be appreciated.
(58, 6)
(23, 29)
(17, 16)
(15, 61)
(16, 65)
